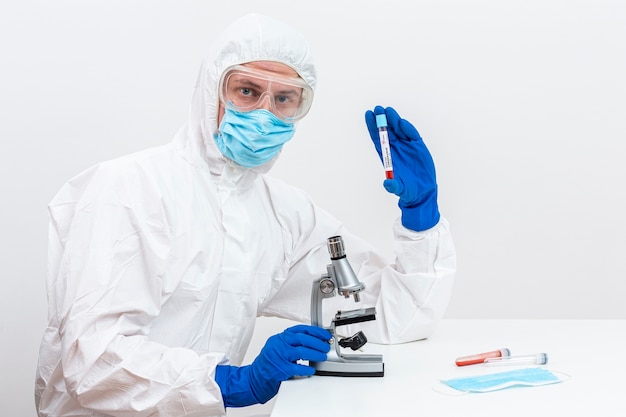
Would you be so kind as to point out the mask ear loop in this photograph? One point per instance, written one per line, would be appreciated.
(442, 388)
(563, 377)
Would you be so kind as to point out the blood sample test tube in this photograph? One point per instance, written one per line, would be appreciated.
(480, 357)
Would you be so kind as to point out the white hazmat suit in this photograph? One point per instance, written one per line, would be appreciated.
(160, 262)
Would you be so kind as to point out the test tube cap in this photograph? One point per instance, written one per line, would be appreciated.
(381, 120)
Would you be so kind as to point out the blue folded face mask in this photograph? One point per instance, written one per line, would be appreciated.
(529, 377)
(252, 138)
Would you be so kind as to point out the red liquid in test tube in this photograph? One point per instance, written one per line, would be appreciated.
(480, 357)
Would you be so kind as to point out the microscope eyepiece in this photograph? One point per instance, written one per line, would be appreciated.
(336, 248)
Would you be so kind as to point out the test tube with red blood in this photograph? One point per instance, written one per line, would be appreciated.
(385, 148)
(480, 357)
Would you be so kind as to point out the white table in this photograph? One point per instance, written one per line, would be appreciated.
(592, 352)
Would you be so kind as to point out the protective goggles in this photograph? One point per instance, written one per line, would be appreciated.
(244, 89)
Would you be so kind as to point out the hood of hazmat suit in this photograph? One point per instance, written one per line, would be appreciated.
(160, 261)
(251, 38)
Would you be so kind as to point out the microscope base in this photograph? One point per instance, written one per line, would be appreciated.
(351, 366)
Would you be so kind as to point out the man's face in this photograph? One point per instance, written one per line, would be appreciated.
(272, 68)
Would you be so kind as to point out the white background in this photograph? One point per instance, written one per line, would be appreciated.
(521, 102)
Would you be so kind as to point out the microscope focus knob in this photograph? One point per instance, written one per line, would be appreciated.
(355, 342)
(327, 286)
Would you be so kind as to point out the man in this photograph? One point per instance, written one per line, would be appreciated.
(160, 261)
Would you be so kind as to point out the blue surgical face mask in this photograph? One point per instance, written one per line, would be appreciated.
(252, 138)
(492, 382)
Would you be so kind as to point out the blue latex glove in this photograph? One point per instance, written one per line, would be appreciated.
(259, 381)
(413, 168)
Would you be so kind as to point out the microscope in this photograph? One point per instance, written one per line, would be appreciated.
(341, 279)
